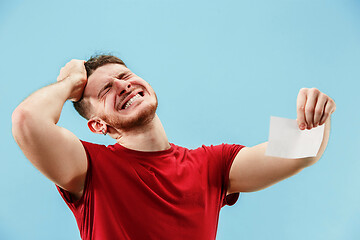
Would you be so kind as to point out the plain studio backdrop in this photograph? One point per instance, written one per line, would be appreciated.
(220, 70)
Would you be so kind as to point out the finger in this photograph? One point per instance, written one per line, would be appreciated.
(329, 109)
(311, 101)
(319, 108)
(300, 108)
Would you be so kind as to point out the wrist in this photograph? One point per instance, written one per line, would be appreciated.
(75, 85)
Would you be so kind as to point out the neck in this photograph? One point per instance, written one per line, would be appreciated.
(151, 137)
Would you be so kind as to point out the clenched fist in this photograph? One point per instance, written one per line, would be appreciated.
(75, 72)
(313, 108)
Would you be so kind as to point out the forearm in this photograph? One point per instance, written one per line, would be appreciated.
(37, 115)
(44, 105)
(34, 120)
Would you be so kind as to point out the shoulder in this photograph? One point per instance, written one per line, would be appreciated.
(93, 149)
(222, 149)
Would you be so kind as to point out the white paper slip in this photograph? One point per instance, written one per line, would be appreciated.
(286, 140)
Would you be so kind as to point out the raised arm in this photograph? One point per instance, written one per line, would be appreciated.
(53, 150)
(252, 170)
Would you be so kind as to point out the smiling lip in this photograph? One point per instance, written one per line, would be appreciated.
(130, 96)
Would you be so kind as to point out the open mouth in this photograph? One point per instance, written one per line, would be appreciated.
(128, 103)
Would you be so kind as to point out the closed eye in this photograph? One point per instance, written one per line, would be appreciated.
(123, 76)
(106, 91)
(106, 88)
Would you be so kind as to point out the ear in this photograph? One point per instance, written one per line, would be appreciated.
(96, 125)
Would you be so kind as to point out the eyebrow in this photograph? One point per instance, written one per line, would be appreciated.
(103, 88)
(119, 76)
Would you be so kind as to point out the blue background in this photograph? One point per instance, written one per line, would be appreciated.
(220, 70)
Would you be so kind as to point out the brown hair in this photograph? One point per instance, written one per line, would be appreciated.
(81, 106)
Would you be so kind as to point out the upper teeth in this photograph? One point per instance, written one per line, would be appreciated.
(131, 100)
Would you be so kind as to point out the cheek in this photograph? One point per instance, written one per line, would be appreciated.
(109, 103)
(104, 105)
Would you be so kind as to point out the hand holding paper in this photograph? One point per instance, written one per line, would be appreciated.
(302, 137)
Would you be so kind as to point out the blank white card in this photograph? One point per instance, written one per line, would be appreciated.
(286, 140)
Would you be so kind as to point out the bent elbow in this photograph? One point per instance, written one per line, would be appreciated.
(17, 119)
(18, 116)
(20, 120)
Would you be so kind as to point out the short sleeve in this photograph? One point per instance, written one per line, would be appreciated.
(229, 152)
(91, 152)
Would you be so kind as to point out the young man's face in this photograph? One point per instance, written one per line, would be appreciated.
(119, 97)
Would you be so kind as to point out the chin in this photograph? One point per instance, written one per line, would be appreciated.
(140, 119)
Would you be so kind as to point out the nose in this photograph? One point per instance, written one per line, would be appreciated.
(122, 86)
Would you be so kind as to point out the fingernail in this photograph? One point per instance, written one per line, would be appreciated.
(302, 126)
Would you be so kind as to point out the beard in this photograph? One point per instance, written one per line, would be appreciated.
(128, 123)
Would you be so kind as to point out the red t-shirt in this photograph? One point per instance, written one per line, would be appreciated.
(171, 194)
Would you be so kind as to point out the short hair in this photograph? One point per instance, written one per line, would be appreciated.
(96, 61)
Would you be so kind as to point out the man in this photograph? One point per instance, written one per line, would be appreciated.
(143, 187)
